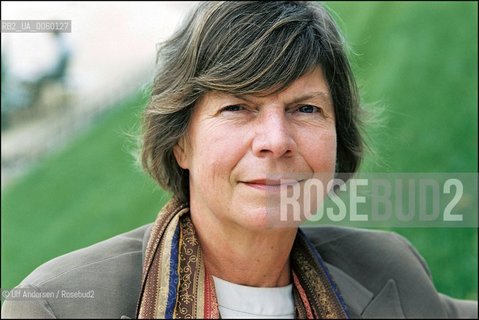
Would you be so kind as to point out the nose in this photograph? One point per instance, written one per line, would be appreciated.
(273, 136)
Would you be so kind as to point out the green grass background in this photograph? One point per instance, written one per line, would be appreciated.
(416, 61)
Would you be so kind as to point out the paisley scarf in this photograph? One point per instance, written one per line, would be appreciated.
(176, 284)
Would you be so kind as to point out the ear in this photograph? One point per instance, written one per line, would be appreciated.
(179, 150)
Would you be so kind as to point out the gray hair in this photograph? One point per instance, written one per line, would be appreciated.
(245, 47)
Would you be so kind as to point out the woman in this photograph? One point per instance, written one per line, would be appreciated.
(250, 99)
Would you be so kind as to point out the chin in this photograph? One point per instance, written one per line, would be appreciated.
(267, 218)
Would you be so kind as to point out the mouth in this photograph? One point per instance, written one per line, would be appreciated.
(271, 184)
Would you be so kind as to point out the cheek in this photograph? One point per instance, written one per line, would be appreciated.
(215, 152)
(321, 153)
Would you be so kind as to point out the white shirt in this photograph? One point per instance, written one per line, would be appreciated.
(237, 301)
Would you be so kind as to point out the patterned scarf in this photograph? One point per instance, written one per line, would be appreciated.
(177, 285)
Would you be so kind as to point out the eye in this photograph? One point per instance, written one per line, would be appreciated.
(233, 108)
(307, 108)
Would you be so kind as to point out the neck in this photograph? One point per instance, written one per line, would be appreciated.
(258, 258)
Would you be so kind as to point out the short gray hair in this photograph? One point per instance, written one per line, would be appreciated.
(245, 47)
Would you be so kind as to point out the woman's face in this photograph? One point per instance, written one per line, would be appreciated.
(240, 150)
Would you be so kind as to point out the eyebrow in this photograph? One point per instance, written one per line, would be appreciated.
(320, 94)
(309, 95)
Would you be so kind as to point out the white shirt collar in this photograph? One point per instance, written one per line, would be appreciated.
(238, 301)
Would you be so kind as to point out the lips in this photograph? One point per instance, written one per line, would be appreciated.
(270, 184)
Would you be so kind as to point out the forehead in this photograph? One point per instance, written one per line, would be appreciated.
(312, 85)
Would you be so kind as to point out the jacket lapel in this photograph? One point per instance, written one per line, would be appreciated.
(362, 303)
(386, 304)
(356, 296)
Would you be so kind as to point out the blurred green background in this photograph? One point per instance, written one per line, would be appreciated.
(415, 61)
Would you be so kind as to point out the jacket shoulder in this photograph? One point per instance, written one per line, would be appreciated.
(387, 267)
(101, 280)
(370, 256)
(92, 257)
(372, 248)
